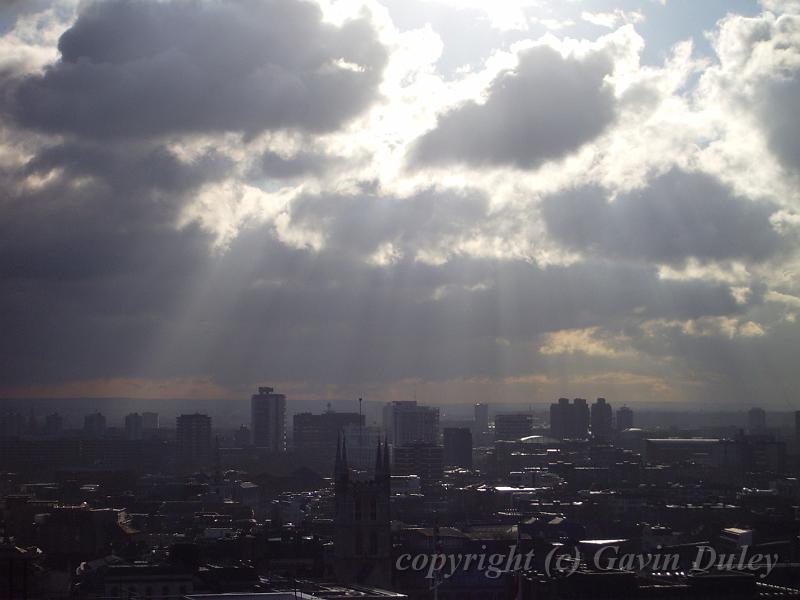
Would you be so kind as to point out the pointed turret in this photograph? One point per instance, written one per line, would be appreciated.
(337, 464)
(387, 471)
(345, 469)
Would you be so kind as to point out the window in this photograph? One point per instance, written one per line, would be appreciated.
(358, 509)
(373, 510)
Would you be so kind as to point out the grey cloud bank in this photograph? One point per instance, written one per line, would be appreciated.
(146, 68)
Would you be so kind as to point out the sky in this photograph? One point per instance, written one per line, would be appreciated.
(505, 201)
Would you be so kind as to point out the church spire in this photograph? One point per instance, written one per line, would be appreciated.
(337, 464)
(378, 462)
(387, 472)
(340, 465)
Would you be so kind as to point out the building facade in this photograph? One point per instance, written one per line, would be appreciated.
(407, 422)
(457, 447)
(362, 522)
(193, 440)
(602, 420)
(268, 419)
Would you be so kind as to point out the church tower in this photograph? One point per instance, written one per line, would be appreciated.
(363, 540)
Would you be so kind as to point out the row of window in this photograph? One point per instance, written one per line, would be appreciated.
(373, 510)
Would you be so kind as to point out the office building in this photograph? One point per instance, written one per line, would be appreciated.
(193, 439)
(424, 460)
(581, 418)
(94, 425)
(457, 447)
(149, 421)
(319, 433)
(12, 424)
(268, 419)
(481, 418)
(602, 418)
(360, 442)
(407, 422)
(624, 418)
(569, 421)
(241, 437)
(53, 424)
(512, 426)
(133, 426)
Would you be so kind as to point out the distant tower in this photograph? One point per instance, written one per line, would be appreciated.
(53, 424)
(481, 418)
(580, 418)
(94, 425)
(457, 447)
(133, 426)
(624, 418)
(560, 418)
(268, 419)
(363, 541)
(149, 421)
(193, 440)
(601, 420)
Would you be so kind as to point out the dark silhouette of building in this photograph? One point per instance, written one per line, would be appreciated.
(559, 418)
(53, 424)
(319, 433)
(149, 421)
(12, 424)
(363, 539)
(581, 418)
(94, 425)
(133, 426)
(193, 440)
(407, 422)
(602, 418)
(457, 447)
(569, 421)
(241, 437)
(624, 418)
(513, 426)
(481, 431)
(424, 460)
(268, 419)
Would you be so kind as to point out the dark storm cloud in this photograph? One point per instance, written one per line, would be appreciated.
(149, 68)
(127, 168)
(542, 110)
(679, 215)
(329, 316)
(102, 211)
(97, 281)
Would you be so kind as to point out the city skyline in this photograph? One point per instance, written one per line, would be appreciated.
(458, 202)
